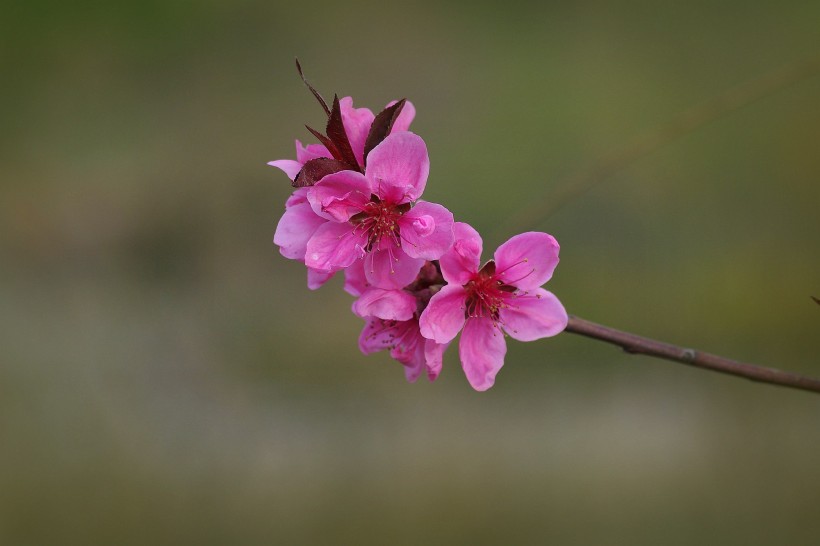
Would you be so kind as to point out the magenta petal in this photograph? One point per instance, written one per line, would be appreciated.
(289, 166)
(444, 315)
(426, 231)
(295, 229)
(385, 304)
(377, 335)
(334, 246)
(390, 267)
(316, 278)
(482, 349)
(297, 197)
(357, 122)
(534, 315)
(340, 195)
(408, 113)
(527, 260)
(311, 151)
(409, 350)
(355, 281)
(462, 260)
(398, 168)
(433, 357)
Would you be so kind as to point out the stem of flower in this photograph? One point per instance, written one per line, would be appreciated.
(635, 344)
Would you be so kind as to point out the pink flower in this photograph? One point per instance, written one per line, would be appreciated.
(393, 322)
(503, 296)
(371, 216)
(294, 230)
(357, 123)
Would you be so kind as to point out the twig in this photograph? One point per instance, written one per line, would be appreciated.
(635, 344)
(677, 127)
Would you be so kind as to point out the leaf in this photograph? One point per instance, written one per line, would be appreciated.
(336, 133)
(326, 142)
(316, 169)
(312, 90)
(816, 300)
(381, 126)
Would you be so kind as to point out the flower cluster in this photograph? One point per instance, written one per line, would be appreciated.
(416, 273)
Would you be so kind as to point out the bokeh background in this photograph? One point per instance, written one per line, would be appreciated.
(167, 378)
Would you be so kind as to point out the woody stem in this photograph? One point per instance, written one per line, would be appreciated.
(635, 344)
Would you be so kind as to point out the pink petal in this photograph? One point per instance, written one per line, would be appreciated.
(461, 262)
(334, 246)
(355, 281)
(289, 166)
(398, 168)
(316, 278)
(433, 356)
(357, 122)
(409, 350)
(408, 113)
(385, 304)
(295, 229)
(534, 315)
(444, 316)
(377, 335)
(340, 195)
(311, 151)
(482, 349)
(527, 260)
(390, 267)
(297, 197)
(426, 231)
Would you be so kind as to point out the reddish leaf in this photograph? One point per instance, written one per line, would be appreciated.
(381, 126)
(316, 169)
(312, 90)
(337, 134)
(331, 147)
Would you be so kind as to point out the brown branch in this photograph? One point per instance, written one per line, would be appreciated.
(635, 344)
(675, 128)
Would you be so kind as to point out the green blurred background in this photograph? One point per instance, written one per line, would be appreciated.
(167, 378)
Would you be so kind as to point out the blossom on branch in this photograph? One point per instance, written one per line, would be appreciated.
(502, 296)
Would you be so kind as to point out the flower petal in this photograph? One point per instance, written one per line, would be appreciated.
(289, 166)
(334, 246)
(377, 335)
(444, 315)
(461, 262)
(433, 356)
(482, 348)
(408, 113)
(295, 229)
(316, 278)
(385, 304)
(527, 260)
(338, 196)
(311, 151)
(390, 267)
(355, 281)
(398, 168)
(534, 315)
(426, 231)
(357, 122)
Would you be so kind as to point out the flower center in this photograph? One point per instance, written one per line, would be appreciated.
(380, 219)
(486, 294)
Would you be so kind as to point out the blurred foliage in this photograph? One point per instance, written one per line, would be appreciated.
(166, 377)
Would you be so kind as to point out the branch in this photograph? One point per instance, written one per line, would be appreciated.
(634, 344)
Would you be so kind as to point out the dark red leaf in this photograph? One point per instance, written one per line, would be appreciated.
(337, 134)
(316, 169)
(312, 90)
(326, 142)
(381, 126)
